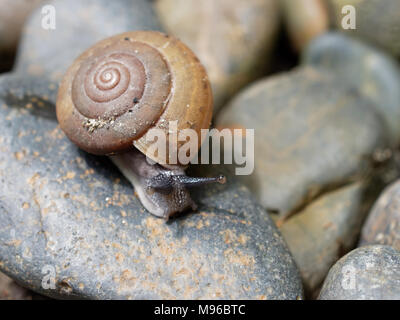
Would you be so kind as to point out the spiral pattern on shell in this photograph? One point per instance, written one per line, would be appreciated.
(124, 85)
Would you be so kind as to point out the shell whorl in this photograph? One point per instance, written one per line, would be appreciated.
(107, 80)
(124, 85)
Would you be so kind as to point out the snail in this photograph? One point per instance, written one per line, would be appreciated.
(125, 85)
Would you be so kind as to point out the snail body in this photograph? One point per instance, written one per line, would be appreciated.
(122, 87)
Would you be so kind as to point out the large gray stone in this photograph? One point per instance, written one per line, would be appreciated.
(66, 211)
(371, 272)
(313, 134)
(369, 70)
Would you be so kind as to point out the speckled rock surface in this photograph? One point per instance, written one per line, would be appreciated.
(377, 22)
(72, 213)
(383, 223)
(327, 229)
(234, 39)
(314, 133)
(375, 74)
(371, 272)
(50, 52)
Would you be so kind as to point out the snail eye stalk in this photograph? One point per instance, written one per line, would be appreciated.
(165, 182)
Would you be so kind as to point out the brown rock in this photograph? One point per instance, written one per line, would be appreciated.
(12, 17)
(9, 290)
(305, 20)
(232, 38)
(383, 223)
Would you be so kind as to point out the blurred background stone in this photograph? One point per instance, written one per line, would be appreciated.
(79, 24)
(375, 74)
(383, 223)
(313, 134)
(366, 273)
(9, 290)
(304, 20)
(12, 18)
(327, 229)
(234, 39)
(377, 22)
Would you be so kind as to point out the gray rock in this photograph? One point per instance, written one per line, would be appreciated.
(71, 215)
(313, 134)
(375, 74)
(79, 24)
(371, 272)
(377, 22)
(383, 223)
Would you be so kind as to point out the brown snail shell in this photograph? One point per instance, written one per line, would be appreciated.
(124, 85)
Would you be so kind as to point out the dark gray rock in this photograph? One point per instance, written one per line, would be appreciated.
(79, 24)
(313, 134)
(383, 223)
(66, 211)
(372, 72)
(371, 272)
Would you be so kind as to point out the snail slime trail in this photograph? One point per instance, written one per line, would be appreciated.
(119, 89)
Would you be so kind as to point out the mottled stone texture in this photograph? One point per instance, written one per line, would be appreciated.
(383, 223)
(366, 273)
(71, 215)
(377, 22)
(234, 39)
